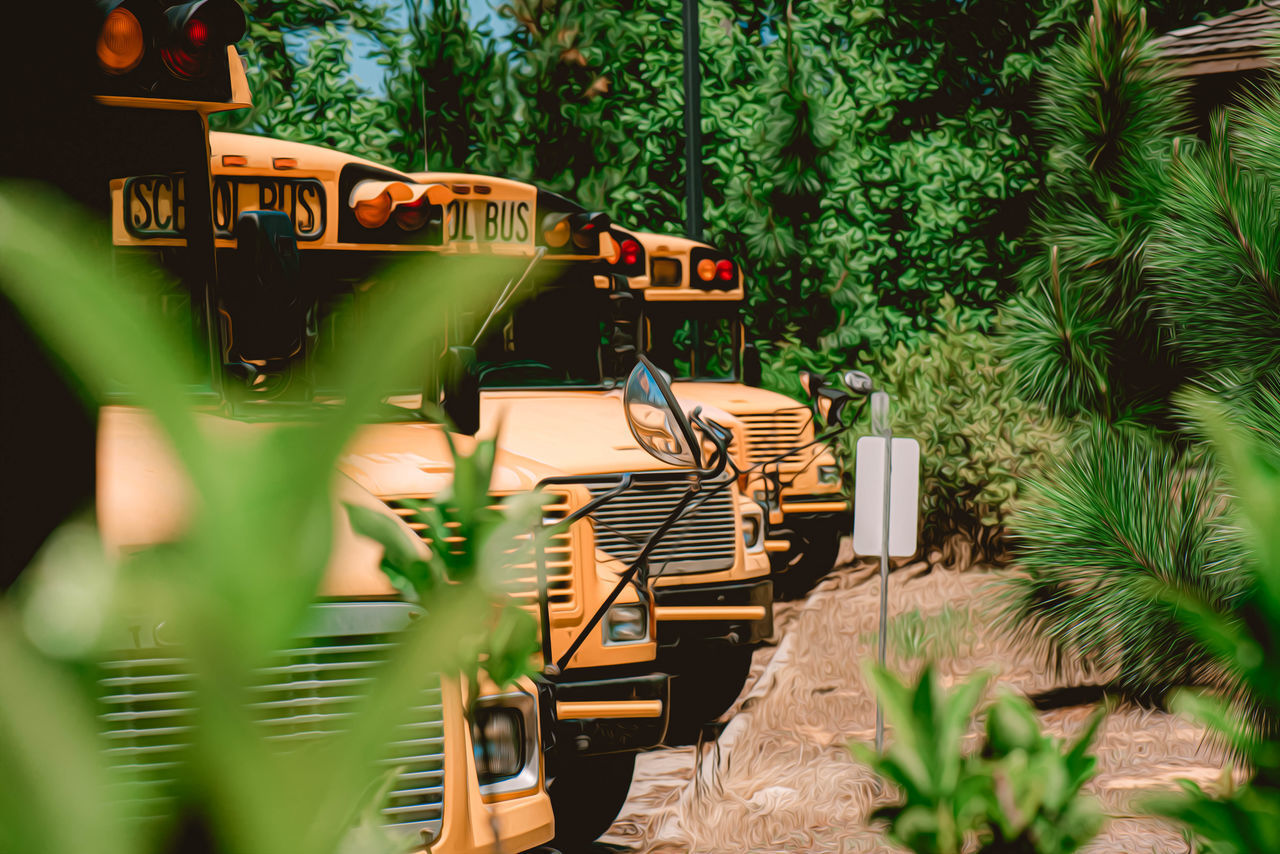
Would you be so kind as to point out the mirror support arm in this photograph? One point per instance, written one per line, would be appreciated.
(641, 560)
(603, 498)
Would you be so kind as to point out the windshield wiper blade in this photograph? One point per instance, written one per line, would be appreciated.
(508, 292)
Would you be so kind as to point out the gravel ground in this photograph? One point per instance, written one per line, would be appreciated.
(780, 777)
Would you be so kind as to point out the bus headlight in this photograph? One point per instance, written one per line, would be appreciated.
(750, 532)
(505, 742)
(626, 624)
(828, 474)
(497, 737)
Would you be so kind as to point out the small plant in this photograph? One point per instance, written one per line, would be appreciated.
(914, 636)
(1017, 791)
(1247, 638)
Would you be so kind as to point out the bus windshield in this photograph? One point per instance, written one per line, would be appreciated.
(693, 341)
(551, 336)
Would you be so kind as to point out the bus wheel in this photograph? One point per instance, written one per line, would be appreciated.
(587, 792)
(704, 690)
(815, 557)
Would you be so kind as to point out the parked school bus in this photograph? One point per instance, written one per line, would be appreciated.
(350, 216)
(163, 68)
(551, 359)
(690, 297)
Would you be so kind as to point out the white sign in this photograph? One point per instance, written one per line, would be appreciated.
(868, 497)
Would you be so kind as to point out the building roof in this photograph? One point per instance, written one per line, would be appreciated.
(1240, 41)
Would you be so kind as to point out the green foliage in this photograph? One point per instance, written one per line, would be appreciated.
(480, 546)
(1247, 639)
(913, 636)
(980, 442)
(232, 590)
(1216, 252)
(1081, 336)
(1122, 514)
(1017, 792)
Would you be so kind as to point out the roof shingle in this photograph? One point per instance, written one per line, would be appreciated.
(1236, 42)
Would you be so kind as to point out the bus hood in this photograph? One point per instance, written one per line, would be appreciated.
(144, 499)
(405, 459)
(576, 432)
(737, 398)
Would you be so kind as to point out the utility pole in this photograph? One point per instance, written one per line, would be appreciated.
(692, 123)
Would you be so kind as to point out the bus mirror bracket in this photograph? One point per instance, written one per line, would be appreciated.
(461, 381)
(752, 369)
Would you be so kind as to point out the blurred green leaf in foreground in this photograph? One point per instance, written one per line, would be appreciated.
(234, 588)
(1246, 638)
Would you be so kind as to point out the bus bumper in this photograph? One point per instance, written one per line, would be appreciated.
(735, 613)
(598, 716)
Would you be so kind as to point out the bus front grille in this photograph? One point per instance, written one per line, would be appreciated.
(770, 434)
(703, 540)
(522, 580)
(147, 699)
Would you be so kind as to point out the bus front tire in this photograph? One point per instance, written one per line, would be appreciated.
(705, 690)
(587, 793)
(815, 556)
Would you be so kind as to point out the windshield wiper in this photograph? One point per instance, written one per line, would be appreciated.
(508, 292)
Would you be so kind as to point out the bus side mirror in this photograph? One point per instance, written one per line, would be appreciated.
(461, 382)
(752, 369)
(263, 292)
(656, 420)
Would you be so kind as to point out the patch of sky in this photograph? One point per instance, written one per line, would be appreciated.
(365, 69)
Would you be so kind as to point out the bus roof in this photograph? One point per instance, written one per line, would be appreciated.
(667, 268)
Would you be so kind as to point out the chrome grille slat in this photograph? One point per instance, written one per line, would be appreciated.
(771, 433)
(703, 541)
(146, 729)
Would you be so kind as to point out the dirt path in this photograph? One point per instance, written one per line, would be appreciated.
(780, 778)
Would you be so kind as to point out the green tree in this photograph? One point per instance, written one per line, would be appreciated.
(1082, 335)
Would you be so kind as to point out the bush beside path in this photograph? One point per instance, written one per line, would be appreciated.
(781, 779)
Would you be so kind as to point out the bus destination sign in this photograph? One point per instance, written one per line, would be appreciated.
(477, 222)
(155, 205)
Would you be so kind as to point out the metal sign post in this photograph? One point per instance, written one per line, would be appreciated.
(885, 510)
(881, 426)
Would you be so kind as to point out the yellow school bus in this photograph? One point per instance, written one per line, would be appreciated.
(550, 372)
(163, 68)
(691, 296)
(440, 796)
(352, 216)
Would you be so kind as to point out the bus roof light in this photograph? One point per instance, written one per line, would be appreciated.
(234, 160)
(706, 269)
(411, 216)
(197, 33)
(556, 229)
(587, 228)
(724, 270)
(630, 252)
(373, 213)
(120, 42)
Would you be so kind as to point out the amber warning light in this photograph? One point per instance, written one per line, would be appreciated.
(373, 203)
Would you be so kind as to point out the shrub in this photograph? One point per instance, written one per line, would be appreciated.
(1017, 792)
(1122, 513)
(979, 440)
